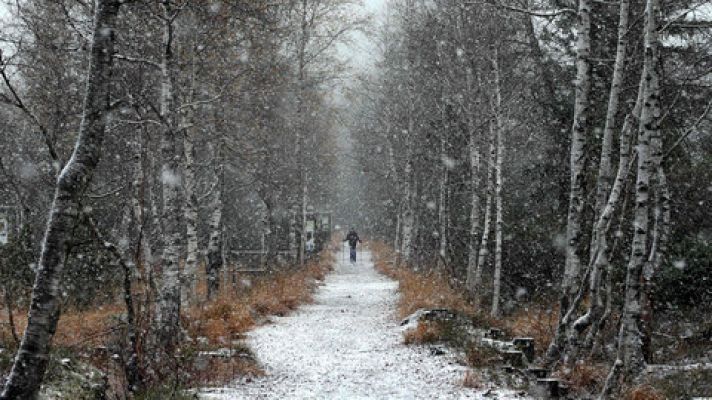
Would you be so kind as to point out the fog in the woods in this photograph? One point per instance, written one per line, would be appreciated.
(355, 199)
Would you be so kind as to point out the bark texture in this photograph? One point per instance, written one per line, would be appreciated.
(499, 218)
(579, 133)
(169, 297)
(606, 200)
(215, 240)
(32, 357)
(630, 360)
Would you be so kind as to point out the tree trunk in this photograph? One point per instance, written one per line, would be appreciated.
(498, 187)
(474, 217)
(484, 244)
(474, 239)
(269, 229)
(292, 236)
(131, 368)
(215, 242)
(630, 360)
(658, 251)
(32, 357)
(191, 216)
(602, 252)
(406, 250)
(394, 173)
(443, 212)
(169, 301)
(579, 133)
(605, 205)
(301, 142)
(190, 269)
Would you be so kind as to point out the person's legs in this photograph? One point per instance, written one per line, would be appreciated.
(353, 254)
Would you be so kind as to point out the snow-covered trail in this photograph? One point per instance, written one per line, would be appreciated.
(347, 345)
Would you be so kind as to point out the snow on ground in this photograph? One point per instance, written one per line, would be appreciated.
(348, 345)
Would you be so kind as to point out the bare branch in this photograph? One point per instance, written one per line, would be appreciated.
(536, 13)
(689, 130)
(135, 60)
(17, 102)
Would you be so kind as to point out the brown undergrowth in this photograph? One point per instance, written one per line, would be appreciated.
(237, 311)
(536, 321)
(419, 290)
(219, 324)
(584, 378)
(429, 332)
(429, 290)
(643, 392)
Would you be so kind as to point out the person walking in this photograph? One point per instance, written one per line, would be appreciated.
(354, 240)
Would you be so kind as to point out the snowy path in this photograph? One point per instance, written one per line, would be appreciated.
(347, 345)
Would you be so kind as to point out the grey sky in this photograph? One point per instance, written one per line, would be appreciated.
(361, 52)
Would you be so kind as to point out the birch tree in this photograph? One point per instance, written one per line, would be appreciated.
(630, 360)
(607, 198)
(499, 221)
(168, 313)
(579, 132)
(32, 357)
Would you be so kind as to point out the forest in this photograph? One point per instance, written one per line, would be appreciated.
(175, 174)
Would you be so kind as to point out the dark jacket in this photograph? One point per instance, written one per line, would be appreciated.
(352, 238)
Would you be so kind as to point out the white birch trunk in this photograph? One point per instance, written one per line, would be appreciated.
(605, 204)
(33, 355)
(486, 228)
(475, 183)
(579, 132)
(299, 150)
(292, 235)
(630, 360)
(406, 250)
(443, 208)
(603, 225)
(191, 215)
(190, 269)
(499, 223)
(303, 227)
(658, 250)
(215, 261)
(408, 216)
(394, 173)
(169, 297)
(443, 212)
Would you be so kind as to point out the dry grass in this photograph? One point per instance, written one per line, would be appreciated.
(419, 290)
(585, 377)
(426, 332)
(76, 328)
(219, 323)
(643, 392)
(220, 371)
(482, 357)
(472, 380)
(538, 322)
(235, 312)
